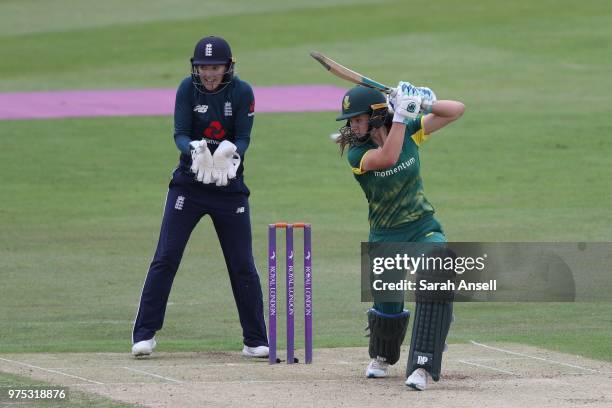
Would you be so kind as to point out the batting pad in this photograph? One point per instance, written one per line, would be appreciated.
(387, 333)
(432, 321)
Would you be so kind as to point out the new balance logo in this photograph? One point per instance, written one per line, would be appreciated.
(239, 210)
(422, 360)
(200, 108)
(208, 50)
(180, 200)
(228, 109)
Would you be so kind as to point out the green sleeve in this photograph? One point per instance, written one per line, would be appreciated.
(355, 155)
(414, 125)
(414, 129)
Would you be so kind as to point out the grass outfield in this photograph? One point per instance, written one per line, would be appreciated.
(82, 198)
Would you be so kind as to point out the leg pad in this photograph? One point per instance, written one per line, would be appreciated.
(432, 321)
(387, 333)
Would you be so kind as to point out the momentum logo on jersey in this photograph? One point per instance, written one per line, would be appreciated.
(200, 108)
(396, 169)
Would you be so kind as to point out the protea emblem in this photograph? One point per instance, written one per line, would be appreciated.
(346, 104)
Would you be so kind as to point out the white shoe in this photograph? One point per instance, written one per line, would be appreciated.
(418, 379)
(377, 368)
(143, 348)
(258, 352)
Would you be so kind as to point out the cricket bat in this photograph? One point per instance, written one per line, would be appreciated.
(349, 75)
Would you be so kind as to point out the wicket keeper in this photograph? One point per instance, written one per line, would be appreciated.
(213, 117)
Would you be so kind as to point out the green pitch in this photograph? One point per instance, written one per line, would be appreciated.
(82, 198)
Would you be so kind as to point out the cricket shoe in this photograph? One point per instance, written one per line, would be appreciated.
(418, 379)
(143, 348)
(377, 368)
(257, 352)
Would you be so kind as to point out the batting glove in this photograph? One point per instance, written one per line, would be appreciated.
(403, 88)
(406, 88)
(406, 107)
(428, 98)
(226, 161)
(201, 161)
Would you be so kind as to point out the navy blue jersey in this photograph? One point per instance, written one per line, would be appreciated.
(214, 117)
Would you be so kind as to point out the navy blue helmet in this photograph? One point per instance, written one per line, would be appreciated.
(212, 51)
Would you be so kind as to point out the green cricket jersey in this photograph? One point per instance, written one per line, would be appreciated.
(395, 195)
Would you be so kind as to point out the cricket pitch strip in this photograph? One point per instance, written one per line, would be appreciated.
(474, 374)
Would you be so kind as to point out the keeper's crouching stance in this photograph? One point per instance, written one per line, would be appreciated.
(213, 118)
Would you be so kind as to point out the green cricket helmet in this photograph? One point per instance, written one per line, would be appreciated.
(360, 100)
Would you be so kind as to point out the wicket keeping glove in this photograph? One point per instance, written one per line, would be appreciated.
(226, 161)
(201, 161)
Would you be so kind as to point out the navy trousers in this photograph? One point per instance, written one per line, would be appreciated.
(186, 203)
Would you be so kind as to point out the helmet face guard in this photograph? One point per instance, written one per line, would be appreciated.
(378, 119)
(212, 51)
(227, 78)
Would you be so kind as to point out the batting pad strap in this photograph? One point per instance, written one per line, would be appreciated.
(432, 322)
(387, 333)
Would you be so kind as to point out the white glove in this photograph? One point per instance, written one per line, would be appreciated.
(403, 88)
(201, 161)
(428, 98)
(406, 103)
(406, 88)
(225, 163)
